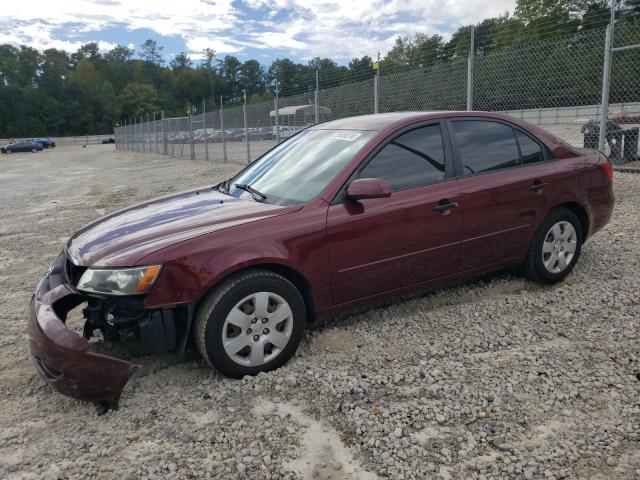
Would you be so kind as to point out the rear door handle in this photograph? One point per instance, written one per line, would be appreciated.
(443, 207)
(538, 186)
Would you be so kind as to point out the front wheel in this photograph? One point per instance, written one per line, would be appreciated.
(555, 247)
(34, 150)
(9, 150)
(251, 323)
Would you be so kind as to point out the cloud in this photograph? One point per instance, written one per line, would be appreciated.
(337, 29)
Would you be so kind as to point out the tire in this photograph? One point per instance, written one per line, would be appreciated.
(227, 316)
(8, 150)
(34, 150)
(558, 234)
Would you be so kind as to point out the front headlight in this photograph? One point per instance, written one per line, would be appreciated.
(121, 281)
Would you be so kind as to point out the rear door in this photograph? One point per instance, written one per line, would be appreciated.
(506, 178)
(381, 244)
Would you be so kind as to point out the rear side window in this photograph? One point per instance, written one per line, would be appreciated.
(529, 148)
(485, 146)
(411, 160)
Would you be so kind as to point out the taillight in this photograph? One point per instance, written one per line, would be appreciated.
(608, 170)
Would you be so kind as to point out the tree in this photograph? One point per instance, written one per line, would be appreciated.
(89, 51)
(251, 76)
(151, 52)
(180, 62)
(138, 100)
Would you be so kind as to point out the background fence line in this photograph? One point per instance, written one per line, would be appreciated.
(584, 88)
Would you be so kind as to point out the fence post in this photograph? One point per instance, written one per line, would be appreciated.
(246, 127)
(155, 132)
(164, 139)
(470, 65)
(148, 135)
(193, 148)
(224, 144)
(376, 107)
(317, 100)
(204, 127)
(277, 114)
(606, 80)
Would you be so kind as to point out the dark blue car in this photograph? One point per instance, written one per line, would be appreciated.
(22, 146)
(45, 142)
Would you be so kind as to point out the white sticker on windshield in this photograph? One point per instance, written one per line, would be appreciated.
(346, 135)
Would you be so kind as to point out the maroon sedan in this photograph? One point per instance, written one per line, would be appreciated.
(344, 214)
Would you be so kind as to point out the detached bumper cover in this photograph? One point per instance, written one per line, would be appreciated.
(61, 355)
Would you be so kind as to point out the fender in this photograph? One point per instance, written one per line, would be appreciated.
(195, 266)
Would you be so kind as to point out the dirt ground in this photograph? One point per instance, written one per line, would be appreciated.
(495, 378)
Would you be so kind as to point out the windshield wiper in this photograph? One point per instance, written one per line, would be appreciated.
(256, 194)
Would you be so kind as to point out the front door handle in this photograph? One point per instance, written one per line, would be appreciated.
(537, 185)
(444, 206)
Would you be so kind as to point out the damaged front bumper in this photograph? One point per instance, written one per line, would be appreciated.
(61, 355)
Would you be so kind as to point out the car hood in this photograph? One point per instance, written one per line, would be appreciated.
(126, 236)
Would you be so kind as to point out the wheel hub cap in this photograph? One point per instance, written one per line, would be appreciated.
(253, 345)
(559, 247)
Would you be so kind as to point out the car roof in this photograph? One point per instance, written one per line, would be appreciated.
(389, 122)
(377, 122)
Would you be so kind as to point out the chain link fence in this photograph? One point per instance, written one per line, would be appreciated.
(555, 84)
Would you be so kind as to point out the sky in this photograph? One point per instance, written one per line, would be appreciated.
(259, 29)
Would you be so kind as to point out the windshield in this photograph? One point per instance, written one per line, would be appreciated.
(300, 168)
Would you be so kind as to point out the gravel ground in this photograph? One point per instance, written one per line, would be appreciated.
(495, 378)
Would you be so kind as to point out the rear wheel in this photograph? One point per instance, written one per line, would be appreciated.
(555, 248)
(251, 323)
(34, 150)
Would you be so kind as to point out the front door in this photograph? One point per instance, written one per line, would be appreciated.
(376, 245)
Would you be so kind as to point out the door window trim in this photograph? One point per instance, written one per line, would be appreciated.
(449, 167)
(457, 158)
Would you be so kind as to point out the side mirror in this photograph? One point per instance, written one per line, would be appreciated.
(363, 188)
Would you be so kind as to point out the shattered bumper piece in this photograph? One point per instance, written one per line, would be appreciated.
(61, 355)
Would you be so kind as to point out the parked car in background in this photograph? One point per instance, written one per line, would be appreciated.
(22, 146)
(46, 142)
(234, 135)
(108, 140)
(345, 214)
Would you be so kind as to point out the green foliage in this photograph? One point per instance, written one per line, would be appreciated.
(54, 93)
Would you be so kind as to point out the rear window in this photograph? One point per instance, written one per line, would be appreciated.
(530, 150)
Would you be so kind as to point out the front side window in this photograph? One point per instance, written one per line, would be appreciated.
(485, 146)
(300, 168)
(529, 148)
(411, 160)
